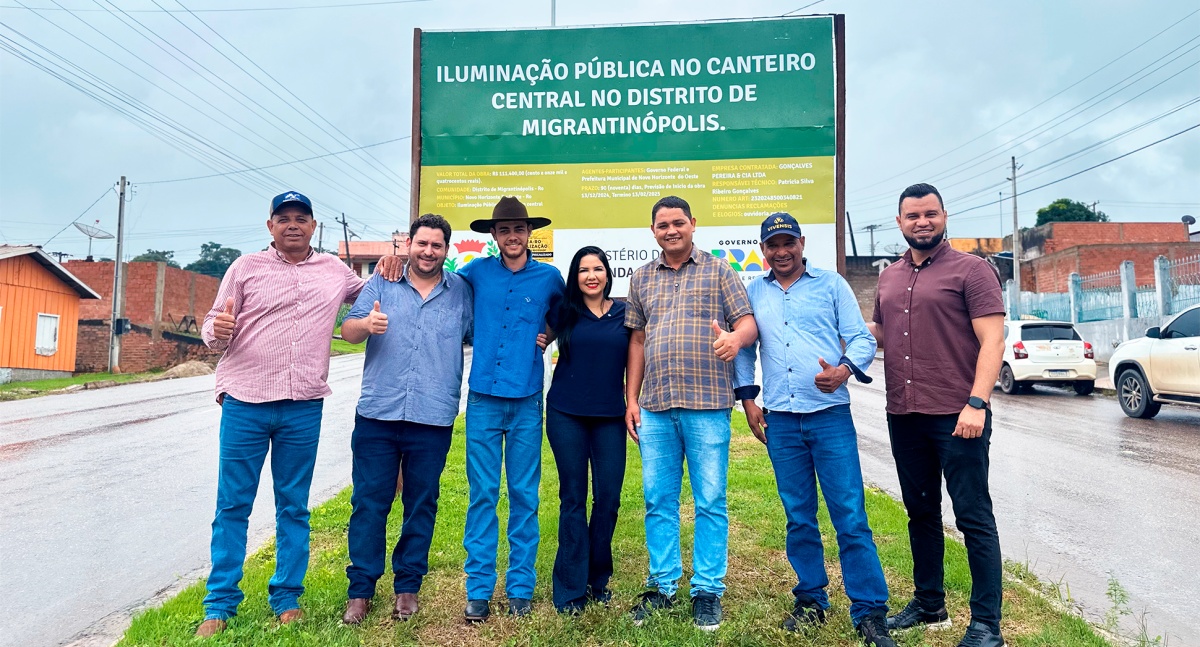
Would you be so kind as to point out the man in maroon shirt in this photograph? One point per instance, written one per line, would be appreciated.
(939, 316)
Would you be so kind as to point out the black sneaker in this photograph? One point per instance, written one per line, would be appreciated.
(651, 602)
(805, 613)
(520, 607)
(915, 615)
(477, 611)
(980, 635)
(874, 631)
(706, 611)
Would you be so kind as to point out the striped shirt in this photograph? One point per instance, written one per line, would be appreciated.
(285, 316)
(676, 308)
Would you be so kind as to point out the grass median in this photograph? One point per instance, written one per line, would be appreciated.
(759, 580)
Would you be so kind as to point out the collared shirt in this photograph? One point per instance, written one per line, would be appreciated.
(676, 308)
(285, 316)
(796, 327)
(512, 307)
(929, 345)
(589, 378)
(413, 372)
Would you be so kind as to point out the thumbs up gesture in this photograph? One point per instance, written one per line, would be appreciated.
(726, 345)
(376, 321)
(831, 377)
(224, 322)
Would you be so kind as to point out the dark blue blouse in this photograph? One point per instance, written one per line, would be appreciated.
(590, 380)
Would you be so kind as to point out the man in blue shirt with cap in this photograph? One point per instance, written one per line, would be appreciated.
(804, 316)
(513, 294)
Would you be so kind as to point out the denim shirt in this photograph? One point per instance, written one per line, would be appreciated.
(413, 372)
(511, 310)
(796, 327)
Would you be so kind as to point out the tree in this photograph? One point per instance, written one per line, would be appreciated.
(214, 260)
(1067, 210)
(156, 256)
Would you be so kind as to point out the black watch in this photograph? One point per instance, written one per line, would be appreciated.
(977, 403)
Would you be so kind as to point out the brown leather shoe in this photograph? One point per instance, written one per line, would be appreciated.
(356, 610)
(290, 616)
(210, 628)
(406, 606)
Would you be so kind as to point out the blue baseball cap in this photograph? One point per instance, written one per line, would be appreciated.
(779, 223)
(290, 197)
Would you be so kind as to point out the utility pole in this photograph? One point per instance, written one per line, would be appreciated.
(320, 237)
(1016, 246)
(60, 255)
(346, 235)
(1001, 215)
(1094, 205)
(850, 226)
(118, 293)
(872, 228)
(553, 13)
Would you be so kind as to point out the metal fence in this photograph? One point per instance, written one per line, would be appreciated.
(1053, 306)
(1100, 297)
(1184, 282)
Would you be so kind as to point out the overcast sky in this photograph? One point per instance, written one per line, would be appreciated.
(937, 91)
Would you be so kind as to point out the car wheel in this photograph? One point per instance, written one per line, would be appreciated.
(1134, 394)
(1085, 387)
(1008, 383)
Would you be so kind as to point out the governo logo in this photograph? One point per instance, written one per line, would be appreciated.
(468, 250)
(741, 259)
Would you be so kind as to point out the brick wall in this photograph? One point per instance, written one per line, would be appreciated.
(862, 273)
(1051, 272)
(157, 298)
(1060, 236)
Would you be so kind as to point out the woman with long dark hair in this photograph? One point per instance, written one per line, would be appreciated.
(585, 424)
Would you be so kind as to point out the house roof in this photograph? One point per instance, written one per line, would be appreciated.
(372, 249)
(47, 261)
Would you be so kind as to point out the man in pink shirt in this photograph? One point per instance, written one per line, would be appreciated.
(273, 316)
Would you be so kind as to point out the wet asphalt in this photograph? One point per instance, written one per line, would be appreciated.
(107, 496)
(106, 499)
(1081, 493)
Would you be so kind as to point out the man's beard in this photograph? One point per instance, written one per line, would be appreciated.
(924, 247)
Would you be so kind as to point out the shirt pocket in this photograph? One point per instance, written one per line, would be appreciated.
(449, 321)
(530, 310)
(703, 302)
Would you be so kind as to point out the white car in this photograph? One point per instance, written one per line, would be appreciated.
(1161, 368)
(1046, 352)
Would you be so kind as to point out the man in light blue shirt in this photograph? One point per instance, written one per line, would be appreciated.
(410, 394)
(804, 315)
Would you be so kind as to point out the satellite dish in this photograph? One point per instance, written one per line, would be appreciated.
(1188, 220)
(92, 233)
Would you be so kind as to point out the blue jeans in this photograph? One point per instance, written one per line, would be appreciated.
(504, 431)
(665, 440)
(805, 447)
(383, 449)
(290, 429)
(584, 560)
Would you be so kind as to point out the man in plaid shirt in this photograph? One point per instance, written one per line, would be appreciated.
(690, 316)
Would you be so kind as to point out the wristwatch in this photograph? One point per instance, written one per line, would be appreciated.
(977, 403)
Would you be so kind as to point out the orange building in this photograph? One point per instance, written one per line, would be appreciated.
(39, 315)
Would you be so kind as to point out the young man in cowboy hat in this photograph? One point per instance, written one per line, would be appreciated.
(504, 405)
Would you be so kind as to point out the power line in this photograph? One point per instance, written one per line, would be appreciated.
(85, 211)
(1059, 119)
(1040, 104)
(378, 163)
(801, 8)
(348, 5)
(260, 168)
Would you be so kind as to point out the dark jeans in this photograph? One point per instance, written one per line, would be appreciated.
(924, 450)
(382, 449)
(585, 549)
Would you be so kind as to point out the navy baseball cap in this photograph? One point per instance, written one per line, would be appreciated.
(779, 223)
(290, 197)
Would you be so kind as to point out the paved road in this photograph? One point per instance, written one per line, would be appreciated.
(1081, 491)
(106, 499)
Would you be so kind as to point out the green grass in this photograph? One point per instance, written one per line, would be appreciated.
(339, 346)
(41, 386)
(758, 596)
